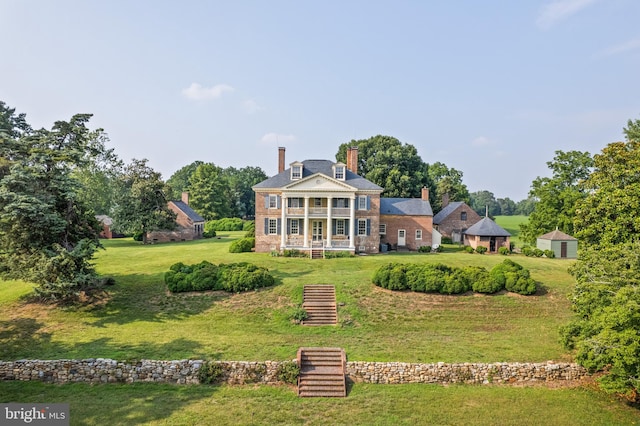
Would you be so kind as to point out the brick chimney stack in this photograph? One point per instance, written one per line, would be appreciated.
(185, 198)
(445, 200)
(281, 159)
(352, 159)
(425, 194)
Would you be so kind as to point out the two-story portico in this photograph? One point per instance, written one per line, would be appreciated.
(317, 204)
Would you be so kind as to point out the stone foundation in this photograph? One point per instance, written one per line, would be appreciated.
(240, 372)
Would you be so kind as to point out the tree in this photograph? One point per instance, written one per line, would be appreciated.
(389, 163)
(243, 200)
(141, 205)
(526, 207)
(47, 233)
(557, 195)
(210, 193)
(608, 214)
(481, 200)
(179, 181)
(507, 206)
(448, 185)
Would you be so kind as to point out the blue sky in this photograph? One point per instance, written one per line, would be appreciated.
(491, 88)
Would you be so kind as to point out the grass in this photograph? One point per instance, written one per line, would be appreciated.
(153, 404)
(139, 319)
(512, 225)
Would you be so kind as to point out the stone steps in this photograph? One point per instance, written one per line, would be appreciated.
(322, 372)
(320, 303)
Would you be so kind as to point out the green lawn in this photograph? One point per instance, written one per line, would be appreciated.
(139, 319)
(512, 225)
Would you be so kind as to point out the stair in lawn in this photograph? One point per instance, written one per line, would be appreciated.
(320, 303)
(322, 372)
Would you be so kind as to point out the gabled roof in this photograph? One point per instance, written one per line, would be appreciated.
(191, 214)
(557, 236)
(311, 167)
(446, 211)
(104, 219)
(487, 228)
(405, 206)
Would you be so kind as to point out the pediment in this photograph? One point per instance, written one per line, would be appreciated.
(319, 182)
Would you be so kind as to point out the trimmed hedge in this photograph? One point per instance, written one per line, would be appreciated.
(232, 277)
(242, 245)
(439, 278)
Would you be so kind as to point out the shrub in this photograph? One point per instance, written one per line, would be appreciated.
(527, 251)
(398, 278)
(288, 372)
(513, 277)
(481, 280)
(424, 249)
(337, 254)
(137, 236)
(233, 277)
(249, 226)
(481, 249)
(457, 282)
(299, 314)
(242, 245)
(447, 240)
(550, 254)
(225, 224)
(294, 253)
(210, 373)
(209, 234)
(381, 276)
(504, 251)
(469, 249)
(537, 252)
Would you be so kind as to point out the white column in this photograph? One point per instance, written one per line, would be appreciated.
(352, 223)
(329, 213)
(306, 222)
(283, 225)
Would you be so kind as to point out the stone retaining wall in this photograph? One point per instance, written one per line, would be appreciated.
(238, 372)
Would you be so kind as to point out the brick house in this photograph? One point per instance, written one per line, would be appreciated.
(454, 219)
(487, 233)
(190, 225)
(407, 222)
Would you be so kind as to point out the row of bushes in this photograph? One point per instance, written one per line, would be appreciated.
(536, 252)
(232, 277)
(243, 245)
(439, 278)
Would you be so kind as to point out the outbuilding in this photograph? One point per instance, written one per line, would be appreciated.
(487, 233)
(564, 246)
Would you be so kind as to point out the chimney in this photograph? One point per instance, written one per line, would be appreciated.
(445, 200)
(352, 162)
(281, 159)
(348, 158)
(185, 198)
(425, 194)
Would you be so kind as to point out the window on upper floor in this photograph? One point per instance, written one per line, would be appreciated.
(317, 202)
(296, 171)
(363, 202)
(273, 201)
(295, 203)
(339, 172)
(463, 215)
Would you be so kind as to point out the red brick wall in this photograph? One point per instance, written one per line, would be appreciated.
(410, 224)
(453, 223)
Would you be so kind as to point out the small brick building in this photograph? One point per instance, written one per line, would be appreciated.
(406, 222)
(454, 219)
(487, 233)
(190, 225)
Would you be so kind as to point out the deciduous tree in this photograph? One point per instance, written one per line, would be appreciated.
(448, 184)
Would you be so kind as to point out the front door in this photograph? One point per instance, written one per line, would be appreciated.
(401, 237)
(563, 249)
(492, 244)
(316, 230)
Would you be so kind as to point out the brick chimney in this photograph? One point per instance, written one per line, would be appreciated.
(185, 198)
(425, 194)
(445, 200)
(352, 159)
(281, 159)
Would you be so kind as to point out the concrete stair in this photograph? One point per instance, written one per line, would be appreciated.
(322, 372)
(320, 303)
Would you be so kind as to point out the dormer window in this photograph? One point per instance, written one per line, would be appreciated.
(339, 171)
(296, 171)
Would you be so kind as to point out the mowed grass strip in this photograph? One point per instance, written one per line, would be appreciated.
(153, 404)
(140, 319)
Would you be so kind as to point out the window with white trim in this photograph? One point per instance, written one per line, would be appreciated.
(295, 203)
(317, 202)
(362, 226)
(342, 203)
(296, 172)
(362, 202)
(294, 227)
(418, 234)
(339, 172)
(273, 226)
(340, 228)
(273, 201)
(383, 229)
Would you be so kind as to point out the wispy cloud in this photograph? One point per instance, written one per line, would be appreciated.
(198, 92)
(277, 138)
(621, 48)
(481, 141)
(251, 106)
(559, 10)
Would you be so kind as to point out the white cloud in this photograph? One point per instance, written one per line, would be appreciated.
(481, 141)
(277, 138)
(197, 92)
(251, 106)
(621, 48)
(559, 10)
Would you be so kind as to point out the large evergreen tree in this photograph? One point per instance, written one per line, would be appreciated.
(48, 235)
